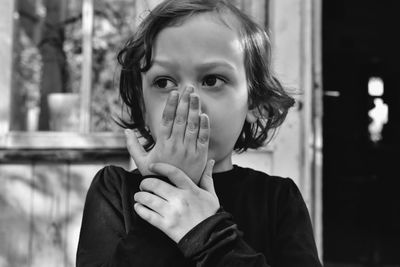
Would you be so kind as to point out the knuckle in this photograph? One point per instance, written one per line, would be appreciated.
(180, 119)
(204, 123)
(141, 197)
(166, 120)
(192, 127)
(175, 172)
(172, 172)
(175, 217)
(143, 213)
(195, 192)
(154, 182)
(149, 183)
(147, 216)
(194, 102)
(148, 201)
(170, 222)
(203, 139)
(181, 203)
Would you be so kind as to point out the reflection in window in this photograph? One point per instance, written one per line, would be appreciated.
(375, 86)
(379, 116)
(379, 113)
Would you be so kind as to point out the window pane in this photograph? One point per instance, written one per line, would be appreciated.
(46, 42)
(114, 22)
(27, 68)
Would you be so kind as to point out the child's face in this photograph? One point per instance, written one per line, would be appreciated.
(204, 53)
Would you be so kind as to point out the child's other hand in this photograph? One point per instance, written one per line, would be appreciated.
(176, 210)
(182, 140)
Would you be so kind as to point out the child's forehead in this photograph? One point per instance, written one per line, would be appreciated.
(205, 27)
(225, 18)
(211, 34)
(203, 33)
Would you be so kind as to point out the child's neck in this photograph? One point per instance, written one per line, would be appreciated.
(223, 165)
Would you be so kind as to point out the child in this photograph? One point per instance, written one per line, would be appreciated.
(197, 81)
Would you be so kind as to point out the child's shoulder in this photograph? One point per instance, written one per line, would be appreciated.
(113, 178)
(260, 176)
(259, 180)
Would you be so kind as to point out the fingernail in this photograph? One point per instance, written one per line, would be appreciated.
(190, 89)
(174, 94)
(203, 121)
(127, 131)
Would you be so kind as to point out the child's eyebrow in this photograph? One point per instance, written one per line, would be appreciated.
(201, 66)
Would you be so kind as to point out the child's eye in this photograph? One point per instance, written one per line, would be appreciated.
(212, 81)
(164, 83)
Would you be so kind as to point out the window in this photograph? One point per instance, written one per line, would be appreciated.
(65, 72)
(61, 91)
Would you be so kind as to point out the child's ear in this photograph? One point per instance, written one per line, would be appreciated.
(256, 113)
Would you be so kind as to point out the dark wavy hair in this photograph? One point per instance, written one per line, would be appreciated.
(265, 93)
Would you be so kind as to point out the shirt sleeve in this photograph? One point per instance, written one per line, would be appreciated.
(105, 239)
(217, 241)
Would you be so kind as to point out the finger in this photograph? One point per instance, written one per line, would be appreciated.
(204, 133)
(169, 114)
(158, 187)
(134, 147)
(151, 201)
(192, 128)
(175, 175)
(178, 128)
(207, 182)
(148, 215)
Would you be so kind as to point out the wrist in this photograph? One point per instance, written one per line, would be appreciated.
(194, 241)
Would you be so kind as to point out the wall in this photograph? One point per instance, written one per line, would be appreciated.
(41, 207)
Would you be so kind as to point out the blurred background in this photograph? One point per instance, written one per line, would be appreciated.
(59, 98)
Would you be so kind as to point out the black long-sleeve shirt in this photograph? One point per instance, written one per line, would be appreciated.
(263, 221)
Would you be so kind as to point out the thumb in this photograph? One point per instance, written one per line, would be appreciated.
(134, 147)
(206, 181)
